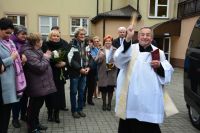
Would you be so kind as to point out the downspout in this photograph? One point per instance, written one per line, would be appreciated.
(138, 5)
(111, 5)
(104, 27)
(97, 7)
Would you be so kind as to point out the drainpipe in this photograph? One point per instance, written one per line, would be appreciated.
(111, 5)
(138, 5)
(97, 7)
(104, 27)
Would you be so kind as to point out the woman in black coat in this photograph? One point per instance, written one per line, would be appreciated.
(56, 101)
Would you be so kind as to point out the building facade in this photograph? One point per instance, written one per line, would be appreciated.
(99, 17)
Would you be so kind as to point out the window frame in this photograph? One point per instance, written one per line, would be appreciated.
(81, 19)
(18, 19)
(156, 9)
(50, 23)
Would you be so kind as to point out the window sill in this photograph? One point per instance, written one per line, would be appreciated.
(158, 17)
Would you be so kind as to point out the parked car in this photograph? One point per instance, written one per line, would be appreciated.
(192, 76)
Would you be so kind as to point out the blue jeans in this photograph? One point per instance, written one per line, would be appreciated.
(77, 85)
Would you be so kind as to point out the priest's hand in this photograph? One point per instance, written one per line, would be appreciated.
(130, 33)
(155, 64)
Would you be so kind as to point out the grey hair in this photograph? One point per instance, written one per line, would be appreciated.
(121, 28)
(146, 27)
(77, 31)
(19, 28)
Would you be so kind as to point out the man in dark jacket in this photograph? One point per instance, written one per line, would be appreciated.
(78, 69)
(122, 34)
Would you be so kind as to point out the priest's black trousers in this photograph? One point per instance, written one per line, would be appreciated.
(135, 126)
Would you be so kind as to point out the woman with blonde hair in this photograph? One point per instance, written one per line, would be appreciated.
(106, 71)
(55, 101)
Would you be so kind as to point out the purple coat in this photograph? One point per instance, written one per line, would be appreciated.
(38, 73)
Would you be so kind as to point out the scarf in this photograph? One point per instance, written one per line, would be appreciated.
(19, 73)
(108, 54)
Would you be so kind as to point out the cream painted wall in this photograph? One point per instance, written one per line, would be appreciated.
(112, 26)
(64, 9)
(144, 7)
(120, 3)
(105, 5)
(61, 8)
(179, 44)
(99, 30)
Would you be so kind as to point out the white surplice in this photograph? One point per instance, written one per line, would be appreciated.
(145, 95)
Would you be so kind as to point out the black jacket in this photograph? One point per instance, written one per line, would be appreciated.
(116, 42)
(77, 58)
(49, 45)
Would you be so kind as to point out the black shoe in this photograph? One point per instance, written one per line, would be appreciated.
(41, 127)
(16, 123)
(56, 116)
(50, 118)
(50, 114)
(91, 103)
(64, 109)
(82, 114)
(104, 107)
(109, 107)
(75, 115)
(23, 118)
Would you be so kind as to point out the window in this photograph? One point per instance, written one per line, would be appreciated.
(46, 23)
(78, 22)
(17, 19)
(158, 8)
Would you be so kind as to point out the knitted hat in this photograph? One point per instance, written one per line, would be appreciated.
(19, 28)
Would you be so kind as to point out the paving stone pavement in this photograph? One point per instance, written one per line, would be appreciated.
(98, 121)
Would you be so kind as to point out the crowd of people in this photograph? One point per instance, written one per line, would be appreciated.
(34, 71)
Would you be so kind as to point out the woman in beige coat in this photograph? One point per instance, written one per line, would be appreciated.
(107, 71)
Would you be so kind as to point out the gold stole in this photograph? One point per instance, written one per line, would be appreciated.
(121, 107)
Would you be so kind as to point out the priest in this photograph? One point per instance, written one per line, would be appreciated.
(139, 94)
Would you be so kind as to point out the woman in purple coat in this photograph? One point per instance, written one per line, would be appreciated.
(39, 80)
(19, 39)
